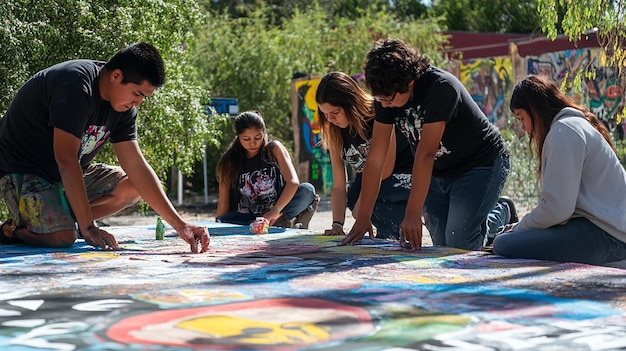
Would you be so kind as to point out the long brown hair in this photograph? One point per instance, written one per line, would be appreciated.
(231, 163)
(543, 100)
(339, 89)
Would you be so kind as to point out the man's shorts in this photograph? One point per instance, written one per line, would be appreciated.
(42, 207)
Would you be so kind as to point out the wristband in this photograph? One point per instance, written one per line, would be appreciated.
(337, 224)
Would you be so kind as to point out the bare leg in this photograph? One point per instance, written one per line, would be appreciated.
(60, 239)
(123, 196)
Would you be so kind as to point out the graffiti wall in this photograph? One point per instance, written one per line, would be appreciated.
(296, 291)
(489, 81)
(313, 163)
(603, 93)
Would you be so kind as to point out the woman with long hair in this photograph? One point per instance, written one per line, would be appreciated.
(346, 120)
(257, 178)
(580, 213)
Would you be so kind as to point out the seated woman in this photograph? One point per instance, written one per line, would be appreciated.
(346, 121)
(580, 214)
(257, 179)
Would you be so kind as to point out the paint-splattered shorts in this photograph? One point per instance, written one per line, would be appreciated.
(41, 206)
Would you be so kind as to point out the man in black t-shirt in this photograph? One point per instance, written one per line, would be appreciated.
(460, 160)
(56, 124)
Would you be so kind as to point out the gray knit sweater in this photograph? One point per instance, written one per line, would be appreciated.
(581, 177)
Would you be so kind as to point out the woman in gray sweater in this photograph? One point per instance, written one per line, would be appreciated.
(580, 216)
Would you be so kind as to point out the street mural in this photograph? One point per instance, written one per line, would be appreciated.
(296, 290)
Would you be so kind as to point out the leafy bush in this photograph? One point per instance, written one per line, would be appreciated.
(522, 184)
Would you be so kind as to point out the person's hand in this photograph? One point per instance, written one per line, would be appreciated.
(411, 233)
(97, 237)
(334, 230)
(272, 215)
(358, 231)
(196, 236)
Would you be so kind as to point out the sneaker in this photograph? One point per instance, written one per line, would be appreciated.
(509, 203)
(304, 217)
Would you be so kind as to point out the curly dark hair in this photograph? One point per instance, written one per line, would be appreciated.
(391, 65)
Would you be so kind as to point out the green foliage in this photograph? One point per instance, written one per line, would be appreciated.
(352, 9)
(577, 19)
(522, 184)
(496, 16)
(620, 148)
(173, 126)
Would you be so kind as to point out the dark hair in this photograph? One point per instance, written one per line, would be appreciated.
(543, 100)
(231, 162)
(391, 65)
(339, 89)
(138, 62)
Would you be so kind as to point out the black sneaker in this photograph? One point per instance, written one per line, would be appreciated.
(304, 217)
(509, 203)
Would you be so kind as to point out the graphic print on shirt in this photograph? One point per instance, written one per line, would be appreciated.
(94, 137)
(258, 190)
(355, 156)
(410, 124)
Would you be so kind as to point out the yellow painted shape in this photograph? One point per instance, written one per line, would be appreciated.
(257, 332)
(102, 255)
(438, 280)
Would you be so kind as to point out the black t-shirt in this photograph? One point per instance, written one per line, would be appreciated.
(65, 96)
(469, 139)
(355, 150)
(260, 184)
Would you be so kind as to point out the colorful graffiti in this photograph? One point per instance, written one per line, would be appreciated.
(296, 290)
(320, 170)
(489, 81)
(602, 90)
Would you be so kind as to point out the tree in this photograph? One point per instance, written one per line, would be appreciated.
(173, 124)
(577, 19)
(496, 16)
(352, 9)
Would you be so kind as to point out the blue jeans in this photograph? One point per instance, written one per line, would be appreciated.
(460, 211)
(301, 200)
(390, 205)
(578, 240)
